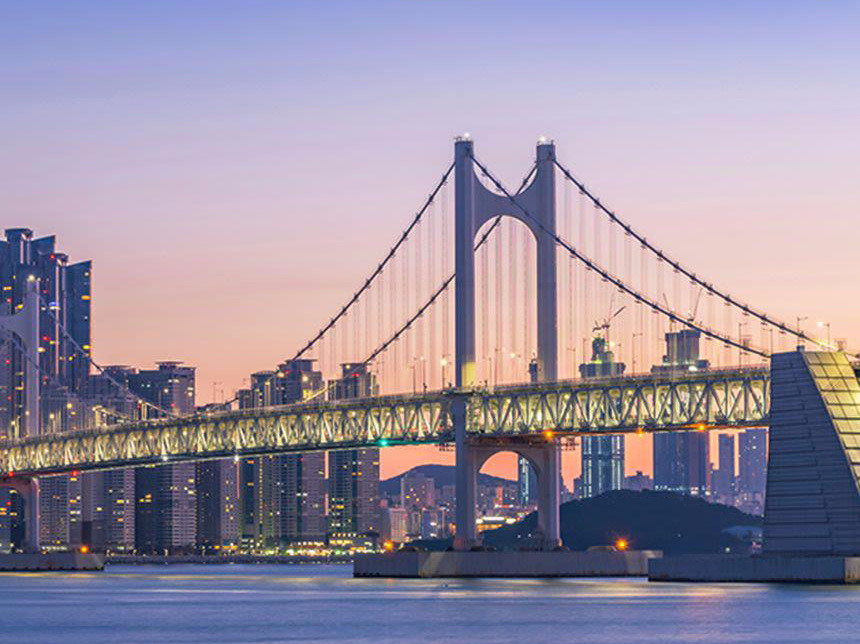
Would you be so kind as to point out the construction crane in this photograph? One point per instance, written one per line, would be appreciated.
(608, 321)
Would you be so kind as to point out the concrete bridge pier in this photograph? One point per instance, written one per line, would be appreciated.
(544, 455)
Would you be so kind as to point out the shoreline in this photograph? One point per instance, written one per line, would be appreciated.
(215, 560)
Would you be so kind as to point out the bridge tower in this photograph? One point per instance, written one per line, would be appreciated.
(475, 205)
(25, 326)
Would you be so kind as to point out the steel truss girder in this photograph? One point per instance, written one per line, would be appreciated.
(732, 398)
(739, 398)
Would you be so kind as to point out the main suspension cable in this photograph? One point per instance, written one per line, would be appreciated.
(680, 268)
(611, 278)
(59, 387)
(392, 339)
(102, 371)
(370, 280)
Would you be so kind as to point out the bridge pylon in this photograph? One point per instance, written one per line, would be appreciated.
(475, 206)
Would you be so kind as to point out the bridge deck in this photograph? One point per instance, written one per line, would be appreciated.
(651, 402)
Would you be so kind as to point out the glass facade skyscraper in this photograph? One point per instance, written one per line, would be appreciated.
(64, 338)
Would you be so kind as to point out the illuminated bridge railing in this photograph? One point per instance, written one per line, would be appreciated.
(731, 398)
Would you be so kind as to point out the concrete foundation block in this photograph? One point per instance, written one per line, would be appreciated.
(766, 568)
(504, 564)
(26, 562)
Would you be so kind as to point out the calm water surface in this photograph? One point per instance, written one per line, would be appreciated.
(166, 604)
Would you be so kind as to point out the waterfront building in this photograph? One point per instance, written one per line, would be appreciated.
(217, 505)
(417, 491)
(353, 489)
(282, 497)
(752, 468)
(118, 512)
(165, 495)
(64, 349)
(302, 502)
(681, 459)
(526, 483)
(300, 477)
(723, 481)
(682, 353)
(60, 511)
(258, 477)
(395, 524)
(682, 462)
(527, 486)
(108, 497)
(11, 520)
(434, 523)
(66, 291)
(602, 456)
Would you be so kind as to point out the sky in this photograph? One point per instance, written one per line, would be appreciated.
(235, 168)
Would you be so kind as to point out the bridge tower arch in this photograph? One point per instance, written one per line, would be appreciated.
(475, 205)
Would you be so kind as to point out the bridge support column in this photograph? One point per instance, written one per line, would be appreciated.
(544, 456)
(465, 481)
(549, 496)
(28, 489)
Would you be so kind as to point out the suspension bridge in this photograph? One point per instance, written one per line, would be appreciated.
(475, 326)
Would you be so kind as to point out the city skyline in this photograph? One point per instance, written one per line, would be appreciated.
(172, 187)
(369, 321)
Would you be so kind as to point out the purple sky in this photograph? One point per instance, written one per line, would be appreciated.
(234, 168)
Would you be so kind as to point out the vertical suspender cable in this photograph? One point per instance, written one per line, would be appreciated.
(433, 358)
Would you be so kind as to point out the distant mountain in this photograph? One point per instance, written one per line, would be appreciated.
(673, 523)
(442, 474)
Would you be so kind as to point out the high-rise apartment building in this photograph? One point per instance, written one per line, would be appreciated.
(417, 491)
(681, 459)
(752, 470)
(282, 497)
(118, 512)
(300, 477)
(63, 348)
(108, 497)
(602, 456)
(723, 479)
(11, 520)
(60, 526)
(353, 475)
(64, 320)
(527, 486)
(682, 353)
(259, 489)
(165, 495)
(682, 462)
(302, 511)
(217, 505)
(165, 508)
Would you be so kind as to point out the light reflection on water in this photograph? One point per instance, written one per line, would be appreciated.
(246, 603)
